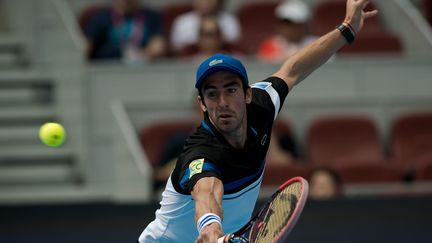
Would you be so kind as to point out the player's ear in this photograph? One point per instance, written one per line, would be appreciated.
(201, 103)
(248, 95)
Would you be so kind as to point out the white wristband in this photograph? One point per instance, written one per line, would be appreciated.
(207, 219)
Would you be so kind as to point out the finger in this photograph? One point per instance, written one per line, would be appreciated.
(363, 3)
(370, 14)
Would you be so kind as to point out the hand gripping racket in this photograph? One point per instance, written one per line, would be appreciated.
(276, 218)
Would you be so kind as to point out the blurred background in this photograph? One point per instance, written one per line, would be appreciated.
(119, 75)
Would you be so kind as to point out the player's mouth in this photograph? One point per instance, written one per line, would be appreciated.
(225, 116)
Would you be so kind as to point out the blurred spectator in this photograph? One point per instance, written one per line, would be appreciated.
(282, 149)
(292, 32)
(186, 26)
(325, 184)
(127, 30)
(210, 41)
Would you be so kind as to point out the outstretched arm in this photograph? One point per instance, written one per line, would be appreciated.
(309, 58)
(208, 193)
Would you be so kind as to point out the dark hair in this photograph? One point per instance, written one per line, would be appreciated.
(333, 174)
(286, 21)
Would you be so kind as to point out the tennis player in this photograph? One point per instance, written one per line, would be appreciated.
(215, 184)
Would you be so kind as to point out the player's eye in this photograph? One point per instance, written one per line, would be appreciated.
(232, 90)
(211, 94)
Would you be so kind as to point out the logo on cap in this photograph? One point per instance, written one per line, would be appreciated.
(215, 62)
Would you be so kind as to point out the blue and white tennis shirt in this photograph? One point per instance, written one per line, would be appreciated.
(207, 154)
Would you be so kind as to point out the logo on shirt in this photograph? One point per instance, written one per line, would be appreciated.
(263, 139)
(215, 62)
(195, 167)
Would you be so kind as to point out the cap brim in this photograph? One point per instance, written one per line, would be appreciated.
(214, 69)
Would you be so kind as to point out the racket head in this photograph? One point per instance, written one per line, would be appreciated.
(277, 217)
(301, 195)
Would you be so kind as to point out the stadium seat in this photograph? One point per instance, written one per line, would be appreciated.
(275, 175)
(369, 173)
(343, 140)
(373, 38)
(411, 139)
(257, 22)
(155, 136)
(370, 43)
(282, 126)
(423, 171)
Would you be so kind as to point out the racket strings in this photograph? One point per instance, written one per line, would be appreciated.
(279, 213)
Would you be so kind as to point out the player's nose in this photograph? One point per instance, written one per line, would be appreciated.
(223, 101)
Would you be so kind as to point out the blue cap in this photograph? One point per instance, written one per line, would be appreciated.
(220, 62)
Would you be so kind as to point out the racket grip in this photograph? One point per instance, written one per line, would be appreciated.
(224, 239)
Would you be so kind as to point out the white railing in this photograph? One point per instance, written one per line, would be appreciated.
(130, 137)
(69, 21)
(133, 173)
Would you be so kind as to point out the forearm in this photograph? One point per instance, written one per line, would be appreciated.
(207, 194)
(309, 58)
(207, 204)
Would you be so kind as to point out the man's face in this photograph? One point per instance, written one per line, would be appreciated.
(292, 32)
(322, 186)
(225, 101)
(207, 7)
(210, 39)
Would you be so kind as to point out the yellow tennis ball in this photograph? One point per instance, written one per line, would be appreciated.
(52, 134)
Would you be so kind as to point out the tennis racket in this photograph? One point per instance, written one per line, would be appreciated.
(276, 218)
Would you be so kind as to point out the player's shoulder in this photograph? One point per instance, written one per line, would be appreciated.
(268, 96)
(203, 142)
(201, 136)
(274, 81)
(202, 152)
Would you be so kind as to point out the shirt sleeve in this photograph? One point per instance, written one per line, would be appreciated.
(230, 26)
(270, 93)
(197, 169)
(184, 30)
